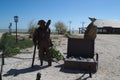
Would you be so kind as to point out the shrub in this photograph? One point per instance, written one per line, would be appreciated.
(25, 44)
(9, 46)
(60, 27)
(56, 54)
(11, 51)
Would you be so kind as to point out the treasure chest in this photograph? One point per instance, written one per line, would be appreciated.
(81, 55)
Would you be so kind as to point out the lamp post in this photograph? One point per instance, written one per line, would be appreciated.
(16, 20)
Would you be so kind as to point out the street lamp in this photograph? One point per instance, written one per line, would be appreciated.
(16, 20)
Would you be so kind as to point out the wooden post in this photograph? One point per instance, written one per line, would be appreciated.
(2, 66)
(0, 76)
(3, 62)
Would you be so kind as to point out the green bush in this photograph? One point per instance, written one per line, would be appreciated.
(9, 46)
(56, 54)
(25, 44)
(60, 27)
(11, 51)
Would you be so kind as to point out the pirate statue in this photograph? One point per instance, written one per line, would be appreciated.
(41, 38)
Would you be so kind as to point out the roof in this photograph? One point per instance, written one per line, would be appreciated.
(110, 23)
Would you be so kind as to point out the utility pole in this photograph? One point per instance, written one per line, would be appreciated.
(70, 26)
(83, 23)
(82, 29)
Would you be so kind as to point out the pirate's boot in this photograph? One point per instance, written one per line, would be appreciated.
(41, 57)
(49, 58)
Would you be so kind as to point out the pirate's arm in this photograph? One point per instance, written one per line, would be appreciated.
(48, 23)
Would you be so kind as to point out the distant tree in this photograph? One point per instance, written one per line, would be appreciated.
(32, 26)
(60, 27)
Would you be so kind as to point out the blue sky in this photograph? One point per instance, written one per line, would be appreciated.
(76, 11)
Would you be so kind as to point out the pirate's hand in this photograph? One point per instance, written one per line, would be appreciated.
(48, 23)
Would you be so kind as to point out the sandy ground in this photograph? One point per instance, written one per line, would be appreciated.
(107, 46)
(1, 34)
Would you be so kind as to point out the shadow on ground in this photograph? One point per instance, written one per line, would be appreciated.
(15, 72)
(82, 77)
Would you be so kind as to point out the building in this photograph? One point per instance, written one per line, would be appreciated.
(107, 26)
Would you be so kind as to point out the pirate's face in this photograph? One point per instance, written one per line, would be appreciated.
(41, 23)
